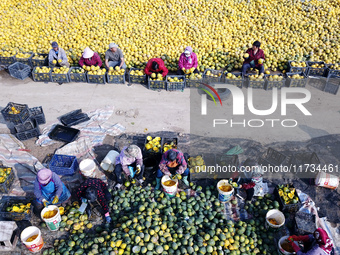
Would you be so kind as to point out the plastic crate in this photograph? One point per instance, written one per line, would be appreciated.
(39, 62)
(173, 86)
(8, 201)
(141, 79)
(26, 61)
(38, 114)
(60, 77)
(304, 223)
(73, 118)
(299, 159)
(28, 134)
(274, 84)
(6, 185)
(332, 84)
(77, 77)
(7, 61)
(19, 71)
(193, 83)
(98, 79)
(19, 118)
(169, 140)
(330, 70)
(64, 134)
(273, 158)
(63, 164)
(151, 152)
(296, 83)
(41, 77)
(27, 125)
(211, 79)
(316, 71)
(289, 208)
(116, 78)
(155, 85)
(293, 69)
(255, 84)
(227, 160)
(237, 83)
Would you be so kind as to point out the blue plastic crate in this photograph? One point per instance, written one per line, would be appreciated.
(38, 114)
(19, 118)
(63, 164)
(19, 70)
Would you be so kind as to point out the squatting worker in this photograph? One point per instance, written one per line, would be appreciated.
(57, 56)
(93, 190)
(129, 162)
(90, 58)
(172, 163)
(114, 57)
(156, 65)
(49, 189)
(253, 58)
(187, 60)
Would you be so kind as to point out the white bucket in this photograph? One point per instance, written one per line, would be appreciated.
(54, 222)
(171, 191)
(327, 180)
(276, 215)
(281, 250)
(108, 163)
(222, 195)
(37, 244)
(87, 167)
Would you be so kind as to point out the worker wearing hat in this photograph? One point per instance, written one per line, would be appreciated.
(90, 58)
(129, 162)
(172, 163)
(114, 57)
(57, 56)
(187, 60)
(49, 189)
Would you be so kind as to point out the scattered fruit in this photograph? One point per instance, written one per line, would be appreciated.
(5, 171)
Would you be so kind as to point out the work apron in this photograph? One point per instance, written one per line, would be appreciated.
(49, 192)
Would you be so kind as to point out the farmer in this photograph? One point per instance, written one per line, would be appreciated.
(187, 60)
(172, 163)
(251, 175)
(95, 190)
(253, 58)
(114, 57)
(156, 65)
(90, 58)
(48, 189)
(318, 243)
(129, 162)
(57, 56)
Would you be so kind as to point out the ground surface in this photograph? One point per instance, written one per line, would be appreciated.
(143, 111)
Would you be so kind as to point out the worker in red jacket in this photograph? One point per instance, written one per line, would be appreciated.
(156, 65)
(253, 58)
(90, 58)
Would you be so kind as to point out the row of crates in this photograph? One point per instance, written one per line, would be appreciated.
(309, 70)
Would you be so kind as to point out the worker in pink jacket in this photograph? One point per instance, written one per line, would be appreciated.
(187, 60)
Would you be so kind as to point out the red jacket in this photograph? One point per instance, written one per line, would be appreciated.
(259, 54)
(94, 61)
(161, 69)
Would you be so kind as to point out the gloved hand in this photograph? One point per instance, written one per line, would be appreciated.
(183, 69)
(138, 169)
(108, 219)
(55, 200)
(292, 238)
(45, 202)
(83, 200)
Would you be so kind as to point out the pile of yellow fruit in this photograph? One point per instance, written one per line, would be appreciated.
(275, 78)
(12, 111)
(116, 71)
(38, 57)
(288, 194)
(317, 65)
(175, 79)
(7, 54)
(297, 77)
(256, 77)
(157, 77)
(232, 76)
(19, 208)
(335, 67)
(137, 72)
(189, 71)
(298, 64)
(211, 74)
(194, 76)
(288, 30)
(54, 62)
(23, 55)
(5, 171)
(169, 145)
(94, 70)
(196, 164)
(153, 144)
(43, 69)
(78, 70)
(61, 70)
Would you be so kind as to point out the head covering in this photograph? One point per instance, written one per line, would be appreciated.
(88, 53)
(113, 45)
(172, 155)
(322, 239)
(44, 176)
(131, 151)
(54, 45)
(91, 194)
(189, 50)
